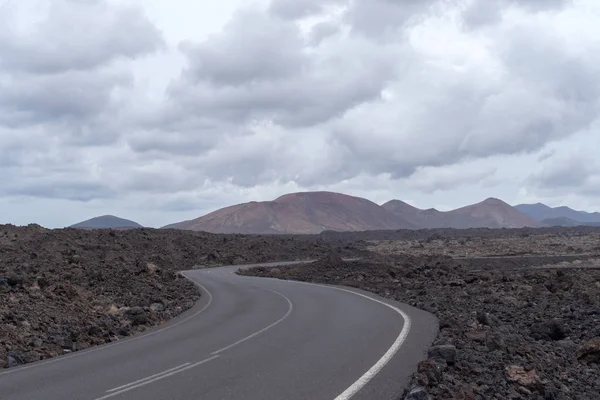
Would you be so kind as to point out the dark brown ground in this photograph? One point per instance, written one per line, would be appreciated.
(66, 290)
(512, 328)
(516, 332)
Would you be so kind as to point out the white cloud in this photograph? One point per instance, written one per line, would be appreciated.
(170, 110)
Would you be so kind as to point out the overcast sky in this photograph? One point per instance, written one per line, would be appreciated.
(160, 111)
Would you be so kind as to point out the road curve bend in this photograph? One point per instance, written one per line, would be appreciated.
(247, 338)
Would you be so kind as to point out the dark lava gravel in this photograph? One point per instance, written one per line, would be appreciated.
(66, 290)
(527, 334)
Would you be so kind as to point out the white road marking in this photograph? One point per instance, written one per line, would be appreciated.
(147, 382)
(389, 354)
(345, 395)
(378, 366)
(147, 378)
(111, 345)
(287, 314)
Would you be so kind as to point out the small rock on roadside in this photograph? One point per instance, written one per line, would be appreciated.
(417, 393)
(14, 359)
(446, 352)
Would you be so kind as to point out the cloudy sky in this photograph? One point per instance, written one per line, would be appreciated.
(161, 111)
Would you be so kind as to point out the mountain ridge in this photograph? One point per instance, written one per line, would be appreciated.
(315, 212)
(489, 213)
(297, 213)
(540, 212)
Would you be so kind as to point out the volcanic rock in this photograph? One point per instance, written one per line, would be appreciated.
(589, 351)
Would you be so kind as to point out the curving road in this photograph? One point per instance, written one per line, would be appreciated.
(247, 338)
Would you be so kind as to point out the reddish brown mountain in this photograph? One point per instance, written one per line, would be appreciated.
(490, 213)
(298, 213)
(430, 218)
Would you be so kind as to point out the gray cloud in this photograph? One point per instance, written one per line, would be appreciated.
(568, 169)
(337, 95)
(71, 96)
(77, 191)
(251, 49)
(384, 91)
(67, 83)
(480, 13)
(294, 9)
(76, 35)
(540, 5)
(275, 78)
(64, 90)
(429, 180)
(322, 31)
(539, 91)
(376, 18)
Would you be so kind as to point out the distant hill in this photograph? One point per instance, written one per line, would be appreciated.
(107, 222)
(541, 212)
(490, 213)
(298, 213)
(564, 221)
(495, 213)
(428, 219)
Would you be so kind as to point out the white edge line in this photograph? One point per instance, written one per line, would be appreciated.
(287, 314)
(389, 354)
(113, 344)
(147, 378)
(378, 366)
(156, 379)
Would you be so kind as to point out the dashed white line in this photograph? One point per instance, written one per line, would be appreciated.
(161, 376)
(175, 370)
(287, 314)
(147, 378)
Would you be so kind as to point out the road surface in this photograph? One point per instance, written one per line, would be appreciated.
(247, 338)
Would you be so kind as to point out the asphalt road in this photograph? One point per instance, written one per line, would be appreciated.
(247, 338)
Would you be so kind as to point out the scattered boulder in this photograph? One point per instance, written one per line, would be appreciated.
(417, 393)
(494, 341)
(528, 378)
(14, 359)
(589, 352)
(549, 330)
(133, 311)
(446, 353)
(430, 372)
(487, 319)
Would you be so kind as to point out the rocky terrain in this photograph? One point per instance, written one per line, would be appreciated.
(526, 333)
(66, 290)
(542, 244)
(519, 308)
